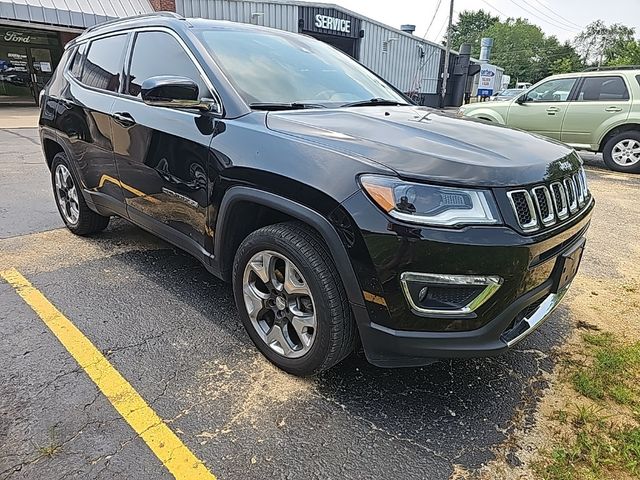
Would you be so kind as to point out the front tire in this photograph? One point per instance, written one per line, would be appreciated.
(75, 213)
(291, 300)
(622, 152)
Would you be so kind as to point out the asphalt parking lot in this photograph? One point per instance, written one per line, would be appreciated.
(171, 330)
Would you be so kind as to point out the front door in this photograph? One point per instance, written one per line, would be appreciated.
(162, 153)
(543, 109)
(15, 77)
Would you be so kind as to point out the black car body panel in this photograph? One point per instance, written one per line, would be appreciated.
(200, 179)
(422, 144)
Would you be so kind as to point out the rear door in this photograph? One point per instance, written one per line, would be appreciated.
(543, 108)
(161, 153)
(83, 119)
(601, 101)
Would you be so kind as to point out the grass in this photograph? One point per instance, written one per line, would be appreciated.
(52, 448)
(613, 371)
(600, 450)
(601, 445)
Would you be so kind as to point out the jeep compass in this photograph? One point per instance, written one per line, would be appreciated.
(342, 214)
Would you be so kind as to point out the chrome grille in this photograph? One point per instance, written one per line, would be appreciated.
(545, 205)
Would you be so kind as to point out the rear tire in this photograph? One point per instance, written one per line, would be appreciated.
(75, 213)
(622, 152)
(290, 257)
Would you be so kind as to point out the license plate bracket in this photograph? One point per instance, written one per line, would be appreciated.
(567, 266)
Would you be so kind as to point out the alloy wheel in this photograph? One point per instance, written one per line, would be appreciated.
(626, 152)
(279, 304)
(66, 194)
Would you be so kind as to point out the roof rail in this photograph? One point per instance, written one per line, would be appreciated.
(604, 69)
(135, 17)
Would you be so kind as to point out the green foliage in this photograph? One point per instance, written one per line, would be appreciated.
(521, 48)
(602, 44)
(470, 28)
(627, 53)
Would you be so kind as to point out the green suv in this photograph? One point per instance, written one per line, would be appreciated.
(597, 111)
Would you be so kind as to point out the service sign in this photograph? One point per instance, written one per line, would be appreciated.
(487, 83)
(329, 21)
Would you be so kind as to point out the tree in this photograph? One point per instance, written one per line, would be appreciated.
(598, 44)
(527, 54)
(626, 54)
(470, 28)
(522, 49)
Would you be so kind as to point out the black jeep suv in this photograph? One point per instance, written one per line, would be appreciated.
(340, 211)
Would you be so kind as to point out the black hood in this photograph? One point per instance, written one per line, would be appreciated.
(419, 143)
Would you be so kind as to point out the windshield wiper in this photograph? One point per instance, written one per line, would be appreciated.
(372, 102)
(284, 106)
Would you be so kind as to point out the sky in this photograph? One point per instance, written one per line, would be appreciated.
(562, 18)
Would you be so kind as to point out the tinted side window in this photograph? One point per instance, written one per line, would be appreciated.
(103, 63)
(147, 62)
(600, 89)
(76, 64)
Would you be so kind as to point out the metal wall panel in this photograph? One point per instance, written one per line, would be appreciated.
(275, 15)
(71, 13)
(407, 62)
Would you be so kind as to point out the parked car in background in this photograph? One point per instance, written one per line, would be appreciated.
(506, 94)
(597, 110)
(523, 85)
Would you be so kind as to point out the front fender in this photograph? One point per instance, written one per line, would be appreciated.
(486, 114)
(298, 211)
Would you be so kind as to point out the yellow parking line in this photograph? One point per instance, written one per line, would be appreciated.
(173, 454)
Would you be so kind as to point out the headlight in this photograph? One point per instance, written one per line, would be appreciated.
(431, 204)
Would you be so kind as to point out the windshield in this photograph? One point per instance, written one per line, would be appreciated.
(266, 67)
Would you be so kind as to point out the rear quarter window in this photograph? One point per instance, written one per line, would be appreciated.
(103, 64)
(75, 67)
(603, 89)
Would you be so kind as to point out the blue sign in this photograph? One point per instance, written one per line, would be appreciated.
(485, 92)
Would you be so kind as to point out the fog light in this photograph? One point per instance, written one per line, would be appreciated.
(439, 294)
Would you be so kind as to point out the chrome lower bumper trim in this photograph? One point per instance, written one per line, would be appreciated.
(528, 324)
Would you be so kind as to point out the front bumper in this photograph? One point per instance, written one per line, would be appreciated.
(393, 335)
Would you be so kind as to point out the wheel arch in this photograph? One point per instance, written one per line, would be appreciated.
(51, 148)
(487, 115)
(616, 130)
(229, 232)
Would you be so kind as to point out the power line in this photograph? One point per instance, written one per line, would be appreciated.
(554, 23)
(566, 20)
(432, 19)
(549, 17)
(494, 8)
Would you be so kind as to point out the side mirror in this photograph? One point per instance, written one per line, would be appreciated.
(173, 92)
(521, 99)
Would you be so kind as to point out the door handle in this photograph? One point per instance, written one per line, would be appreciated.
(124, 118)
(613, 109)
(552, 110)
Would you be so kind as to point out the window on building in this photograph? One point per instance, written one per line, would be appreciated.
(146, 63)
(104, 62)
(602, 89)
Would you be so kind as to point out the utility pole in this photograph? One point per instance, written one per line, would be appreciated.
(447, 53)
